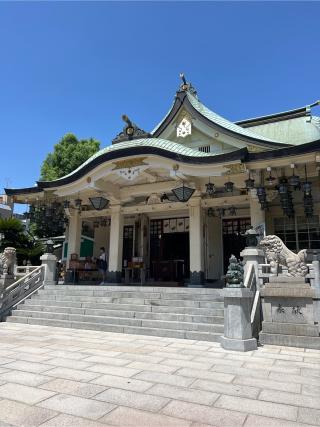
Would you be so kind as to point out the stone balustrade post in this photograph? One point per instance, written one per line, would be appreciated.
(255, 256)
(50, 263)
(237, 320)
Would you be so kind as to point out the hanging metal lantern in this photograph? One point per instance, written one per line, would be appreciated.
(98, 203)
(283, 186)
(294, 181)
(66, 204)
(210, 189)
(183, 193)
(211, 212)
(306, 188)
(228, 186)
(249, 183)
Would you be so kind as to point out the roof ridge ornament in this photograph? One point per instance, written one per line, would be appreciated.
(130, 131)
(187, 86)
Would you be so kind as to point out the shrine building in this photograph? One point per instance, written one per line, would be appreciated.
(174, 203)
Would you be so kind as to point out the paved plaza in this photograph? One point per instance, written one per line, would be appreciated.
(68, 377)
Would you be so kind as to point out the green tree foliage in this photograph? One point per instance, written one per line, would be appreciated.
(67, 156)
(14, 235)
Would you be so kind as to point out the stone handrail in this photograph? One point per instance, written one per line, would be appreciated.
(20, 290)
(251, 282)
(22, 270)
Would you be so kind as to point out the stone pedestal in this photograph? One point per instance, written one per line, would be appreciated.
(288, 313)
(50, 263)
(6, 280)
(237, 323)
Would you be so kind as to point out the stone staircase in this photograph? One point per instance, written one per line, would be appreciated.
(191, 313)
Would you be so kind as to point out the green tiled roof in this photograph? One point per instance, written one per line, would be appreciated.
(221, 121)
(147, 142)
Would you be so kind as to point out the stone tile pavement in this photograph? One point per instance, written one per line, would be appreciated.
(70, 377)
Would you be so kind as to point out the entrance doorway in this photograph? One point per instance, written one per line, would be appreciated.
(233, 238)
(169, 249)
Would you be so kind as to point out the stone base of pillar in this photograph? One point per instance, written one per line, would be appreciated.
(196, 279)
(238, 345)
(114, 276)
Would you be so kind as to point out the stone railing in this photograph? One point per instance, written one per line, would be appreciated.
(22, 270)
(20, 290)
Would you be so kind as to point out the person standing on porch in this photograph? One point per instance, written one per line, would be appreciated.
(103, 265)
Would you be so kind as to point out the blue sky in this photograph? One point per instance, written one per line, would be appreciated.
(76, 67)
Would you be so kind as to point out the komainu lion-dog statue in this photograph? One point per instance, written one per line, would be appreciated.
(7, 261)
(278, 254)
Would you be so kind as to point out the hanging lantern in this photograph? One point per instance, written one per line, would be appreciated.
(98, 203)
(210, 189)
(249, 182)
(306, 185)
(264, 205)
(294, 180)
(211, 212)
(183, 193)
(228, 186)
(283, 186)
(66, 204)
(306, 188)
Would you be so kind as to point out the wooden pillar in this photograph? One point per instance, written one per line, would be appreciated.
(196, 242)
(116, 245)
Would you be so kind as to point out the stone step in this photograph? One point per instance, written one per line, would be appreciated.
(209, 311)
(121, 313)
(136, 294)
(136, 301)
(159, 324)
(184, 334)
(149, 289)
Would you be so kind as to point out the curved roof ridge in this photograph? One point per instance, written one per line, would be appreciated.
(150, 142)
(225, 123)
